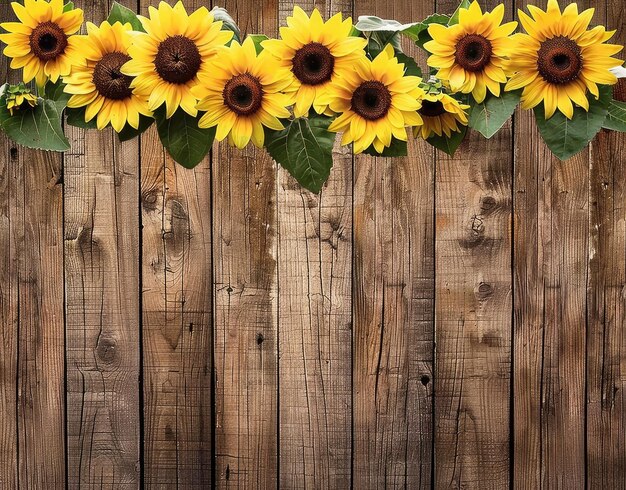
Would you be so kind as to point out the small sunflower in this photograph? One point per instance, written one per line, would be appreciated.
(99, 85)
(441, 114)
(559, 60)
(315, 52)
(167, 58)
(470, 55)
(19, 97)
(241, 92)
(376, 102)
(42, 42)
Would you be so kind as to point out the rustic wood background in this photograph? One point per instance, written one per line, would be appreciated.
(425, 322)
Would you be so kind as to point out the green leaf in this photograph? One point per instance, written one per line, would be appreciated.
(567, 137)
(489, 116)
(182, 138)
(410, 66)
(616, 117)
(228, 23)
(68, 6)
(377, 40)
(124, 15)
(128, 132)
(257, 39)
(76, 118)
(448, 145)
(455, 16)
(38, 128)
(397, 148)
(371, 23)
(421, 33)
(305, 149)
(54, 92)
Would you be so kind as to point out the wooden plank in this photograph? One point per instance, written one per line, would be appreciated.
(473, 310)
(37, 213)
(246, 288)
(606, 312)
(9, 168)
(315, 318)
(393, 287)
(176, 315)
(101, 197)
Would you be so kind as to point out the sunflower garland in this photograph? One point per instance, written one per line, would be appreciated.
(195, 77)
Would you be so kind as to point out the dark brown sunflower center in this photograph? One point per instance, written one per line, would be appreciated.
(432, 109)
(473, 52)
(109, 80)
(177, 60)
(371, 100)
(313, 64)
(47, 41)
(559, 60)
(243, 94)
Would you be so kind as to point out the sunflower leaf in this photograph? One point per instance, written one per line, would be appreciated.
(421, 31)
(128, 132)
(55, 92)
(397, 148)
(257, 39)
(76, 118)
(567, 137)
(38, 128)
(305, 149)
(489, 116)
(410, 66)
(228, 23)
(455, 16)
(616, 117)
(377, 40)
(68, 6)
(448, 145)
(124, 15)
(186, 143)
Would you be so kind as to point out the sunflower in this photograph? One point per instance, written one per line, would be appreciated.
(441, 114)
(241, 92)
(559, 60)
(470, 55)
(167, 58)
(376, 102)
(42, 42)
(99, 85)
(315, 52)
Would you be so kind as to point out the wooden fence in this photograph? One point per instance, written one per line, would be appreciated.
(425, 322)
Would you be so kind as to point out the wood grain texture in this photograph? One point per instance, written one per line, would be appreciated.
(246, 288)
(606, 302)
(473, 310)
(393, 307)
(177, 316)
(101, 196)
(315, 318)
(9, 320)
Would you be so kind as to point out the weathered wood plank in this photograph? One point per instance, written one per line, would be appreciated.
(393, 283)
(9, 168)
(315, 318)
(473, 310)
(177, 315)
(606, 309)
(246, 288)
(101, 201)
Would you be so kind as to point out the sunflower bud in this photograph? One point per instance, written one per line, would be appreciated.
(19, 97)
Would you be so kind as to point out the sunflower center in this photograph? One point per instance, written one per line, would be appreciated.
(473, 52)
(109, 80)
(313, 64)
(371, 100)
(432, 109)
(243, 94)
(177, 60)
(47, 41)
(559, 60)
